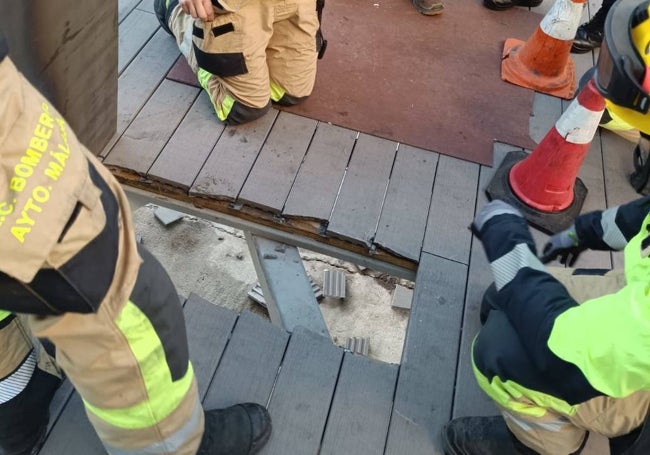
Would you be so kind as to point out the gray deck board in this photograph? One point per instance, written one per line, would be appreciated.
(452, 209)
(302, 395)
(141, 78)
(361, 409)
(72, 433)
(272, 175)
(250, 364)
(146, 5)
(231, 159)
(124, 8)
(134, 32)
(208, 328)
(143, 140)
(469, 399)
(404, 216)
(184, 155)
(423, 398)
(317, 184)
(321, 400)
(358, 207)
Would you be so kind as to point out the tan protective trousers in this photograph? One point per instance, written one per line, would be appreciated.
(264, 50)
(127, 354)
(557, 434)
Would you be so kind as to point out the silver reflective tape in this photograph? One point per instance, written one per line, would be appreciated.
(16, 382)
(612, 235)
(172, 444)
(530, 425)
(506, 267)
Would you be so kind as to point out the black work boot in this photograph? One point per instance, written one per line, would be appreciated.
(242, 429)
(500, 5)
(481, 436)
(589, 35)
(160, 7)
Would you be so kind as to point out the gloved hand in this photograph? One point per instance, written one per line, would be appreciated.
(565, 245)
(489, 211)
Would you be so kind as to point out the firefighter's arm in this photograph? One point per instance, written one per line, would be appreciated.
(530, 297)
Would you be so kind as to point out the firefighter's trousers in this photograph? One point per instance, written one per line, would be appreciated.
(105, 303)
(264, 51)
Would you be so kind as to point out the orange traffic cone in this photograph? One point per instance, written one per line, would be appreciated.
(543, 185)
(542, 63)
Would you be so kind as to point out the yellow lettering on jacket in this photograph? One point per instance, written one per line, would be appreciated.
(23, 225)
(38, 145)
(37, 152)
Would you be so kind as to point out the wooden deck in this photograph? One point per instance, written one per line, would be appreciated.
(402, 208)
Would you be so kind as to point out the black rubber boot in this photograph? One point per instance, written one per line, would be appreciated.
(242, 429)
(159, 6)
(481, 436)
(500, 5)
(589, 35)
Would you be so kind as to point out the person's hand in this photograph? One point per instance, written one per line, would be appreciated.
(489, 211)
(198, 9)
(565, 245)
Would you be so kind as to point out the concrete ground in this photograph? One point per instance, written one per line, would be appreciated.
(213, 261)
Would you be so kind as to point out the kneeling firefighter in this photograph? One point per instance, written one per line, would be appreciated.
(72, 272)
(564, 352)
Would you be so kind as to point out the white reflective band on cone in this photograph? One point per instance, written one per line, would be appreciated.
(562, 21)
(578, 124)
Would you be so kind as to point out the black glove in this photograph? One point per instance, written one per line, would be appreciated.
(565, 245)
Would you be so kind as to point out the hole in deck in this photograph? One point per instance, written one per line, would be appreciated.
(214, 261)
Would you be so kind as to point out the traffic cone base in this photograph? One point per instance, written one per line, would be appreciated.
(548, 222)
(515, 71)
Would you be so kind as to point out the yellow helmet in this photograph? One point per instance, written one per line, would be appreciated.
(623, 68)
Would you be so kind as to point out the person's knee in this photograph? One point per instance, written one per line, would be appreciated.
(289, 100)
(241, 113)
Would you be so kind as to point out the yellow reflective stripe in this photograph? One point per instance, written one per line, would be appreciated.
(164, 394)
(277, 92)
(224, 109)
(515, 397)
(4, 314)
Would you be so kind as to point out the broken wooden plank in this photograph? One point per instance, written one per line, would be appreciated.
(317, 184)
(229, 163)
(272, 175)
(358, 207)
(404, 216)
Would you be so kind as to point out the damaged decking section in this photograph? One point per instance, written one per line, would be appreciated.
(354, 196)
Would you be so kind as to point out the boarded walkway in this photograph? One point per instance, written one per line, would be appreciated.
(404, 209)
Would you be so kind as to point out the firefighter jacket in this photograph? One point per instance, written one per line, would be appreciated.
(59, 211)
(554, 353)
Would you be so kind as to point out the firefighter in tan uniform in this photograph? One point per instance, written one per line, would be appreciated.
(247, 53)
(71, 272)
